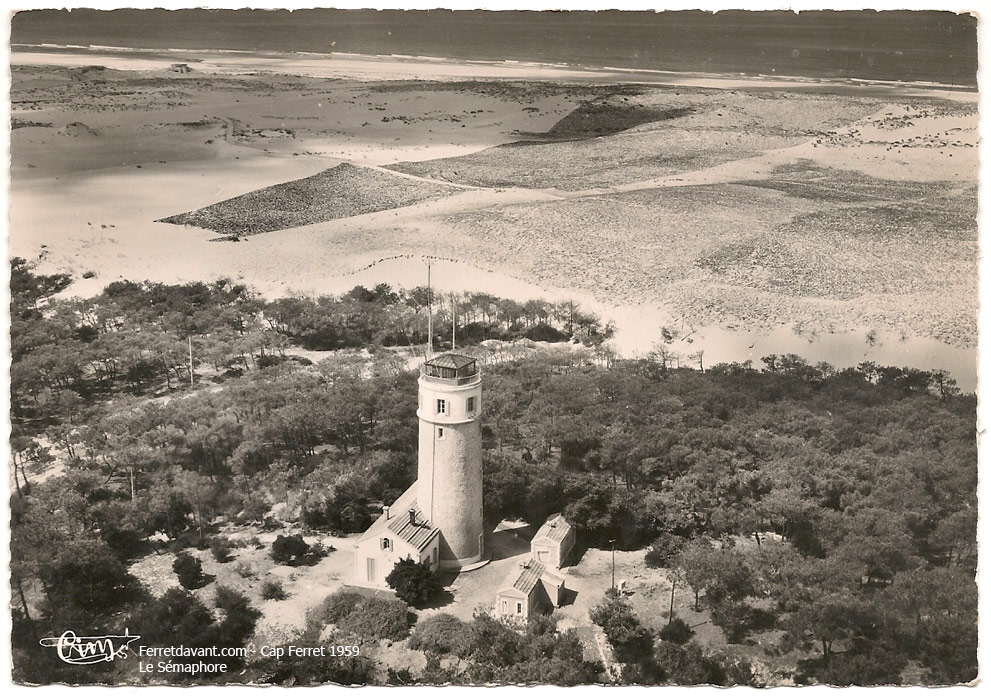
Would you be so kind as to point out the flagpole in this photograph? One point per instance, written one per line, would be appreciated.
(430, 317)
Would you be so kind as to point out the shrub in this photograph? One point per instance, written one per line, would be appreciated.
(545, 332)
(868, 666)
(289, 550)
(368, 619)
(334, 608)
(687, 664)
(663, 549)
(244, 570)
(629, 639)
(239, 617)
(346, 510)
(440, 634)
(378, 618)
(676, 631)
(189, 570)
(272, 590)
(413, 582)
(738, 620)
(311, 670)
(221, 549)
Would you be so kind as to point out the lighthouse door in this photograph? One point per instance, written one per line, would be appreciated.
(370, 563)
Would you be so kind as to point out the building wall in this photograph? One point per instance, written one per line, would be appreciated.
(386, 559)
(564, 549)
(553, 553)
(449, 487)
(506, 604)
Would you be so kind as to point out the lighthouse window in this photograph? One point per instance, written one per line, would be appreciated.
(441, 406)
(440, 433)
(471, 404)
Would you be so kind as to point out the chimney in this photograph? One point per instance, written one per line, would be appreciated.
(385, 511)
(412, 516)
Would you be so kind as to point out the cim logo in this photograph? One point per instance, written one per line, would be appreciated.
(79, 651)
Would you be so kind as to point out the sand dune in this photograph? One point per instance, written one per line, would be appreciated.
(336, 193)
(712, 208)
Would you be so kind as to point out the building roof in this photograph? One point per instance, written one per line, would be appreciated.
(451, 360)
(528, 577)
(555, 528)
(418, 534)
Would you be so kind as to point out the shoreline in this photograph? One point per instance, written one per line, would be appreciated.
(369, 67)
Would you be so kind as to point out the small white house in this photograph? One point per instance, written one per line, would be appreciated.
(553, 542)
(400, 532)
(533, 589)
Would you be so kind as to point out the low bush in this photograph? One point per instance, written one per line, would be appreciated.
(272, 590)
(189, 570)
(413, 582)
(221, 549)
(289, 549)
(367, 619)
(441, 634)
(676, 631)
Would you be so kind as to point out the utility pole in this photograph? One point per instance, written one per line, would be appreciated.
(613, 543)
(671, 609)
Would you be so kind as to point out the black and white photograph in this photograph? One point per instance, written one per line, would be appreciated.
(380, 347)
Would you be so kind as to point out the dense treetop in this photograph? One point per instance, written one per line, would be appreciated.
(866, 475)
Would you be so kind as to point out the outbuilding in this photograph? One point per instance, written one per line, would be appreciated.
(553, 542)
(533, 589)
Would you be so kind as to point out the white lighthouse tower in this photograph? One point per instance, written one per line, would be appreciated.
(449, 477)
(438, 520)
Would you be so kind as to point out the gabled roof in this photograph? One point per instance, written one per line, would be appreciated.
(418, 535)
(555, 528)
(527, 579)
(451, 360)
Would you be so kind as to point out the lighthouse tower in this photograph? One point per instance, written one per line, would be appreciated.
(449, 478)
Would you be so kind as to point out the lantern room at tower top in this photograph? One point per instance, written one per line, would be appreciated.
(451, 369)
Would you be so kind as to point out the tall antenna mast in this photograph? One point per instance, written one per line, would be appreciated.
(454, 323)
(430, 317)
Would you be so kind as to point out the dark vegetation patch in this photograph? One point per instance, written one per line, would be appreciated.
(806, 180)
(896, 221)
(514, 90)
(592, 119)
(574, 164)
(22, 123)
(335, 193)
(363, 616)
